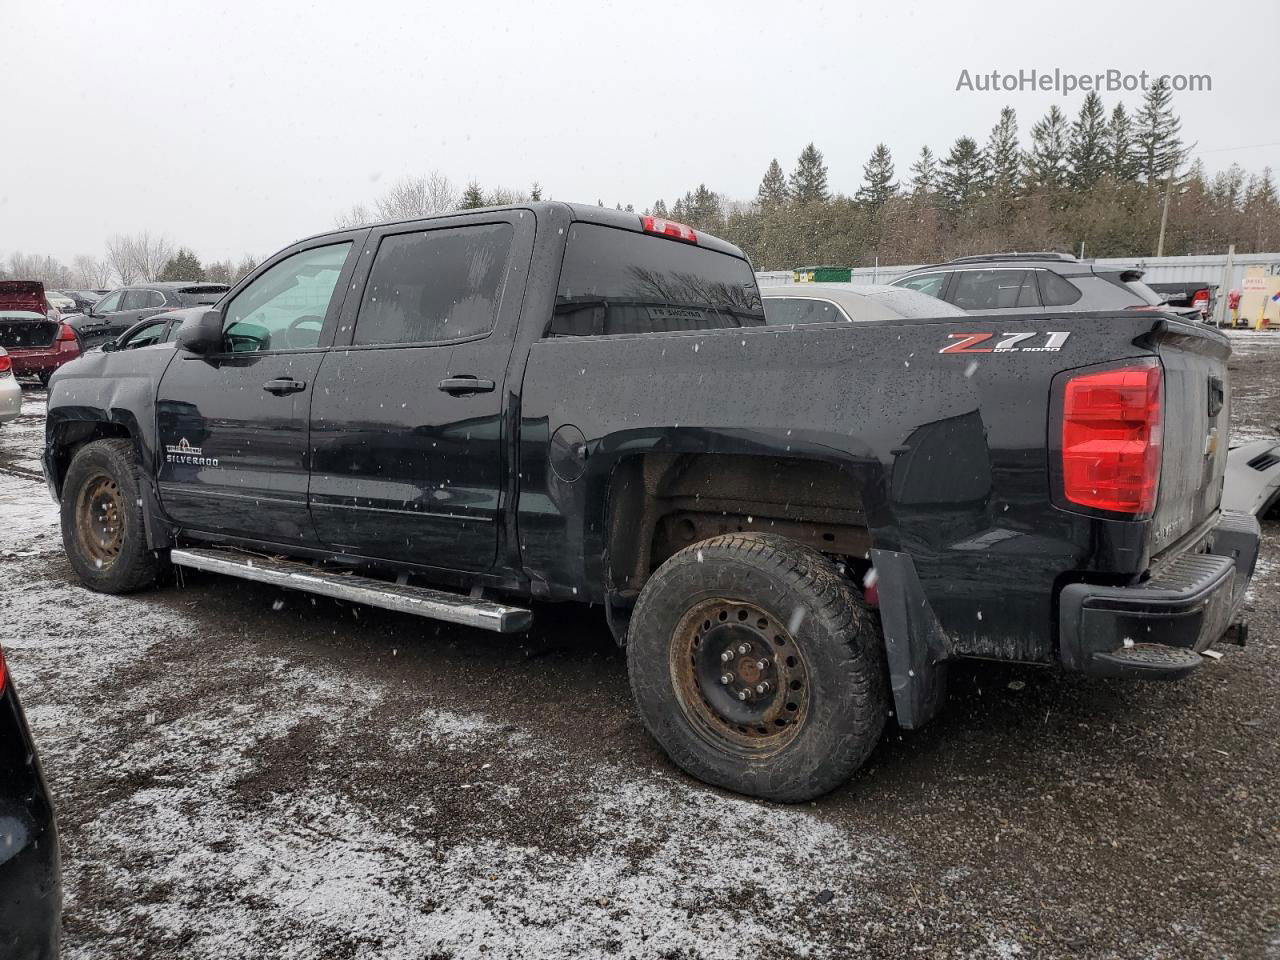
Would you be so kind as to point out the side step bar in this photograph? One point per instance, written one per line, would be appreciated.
(421, 601)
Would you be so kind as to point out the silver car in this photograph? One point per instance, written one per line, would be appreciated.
(10, 392)
(828, 302)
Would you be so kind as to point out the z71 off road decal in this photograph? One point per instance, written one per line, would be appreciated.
(1008, 342)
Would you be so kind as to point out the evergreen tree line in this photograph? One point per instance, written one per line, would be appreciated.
(1098, 180)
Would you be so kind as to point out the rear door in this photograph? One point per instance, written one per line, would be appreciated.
(232, 426)
(407, 432)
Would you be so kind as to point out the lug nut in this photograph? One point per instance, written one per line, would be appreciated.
(744, 648)
(742, 694)
(763, 664)
(726, 678)
(762, 687)
(726, 656)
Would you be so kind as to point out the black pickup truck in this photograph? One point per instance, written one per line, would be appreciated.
(793, 529)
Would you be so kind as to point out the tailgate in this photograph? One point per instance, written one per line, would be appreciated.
(1197, 426)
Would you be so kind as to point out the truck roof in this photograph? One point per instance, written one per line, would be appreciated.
(582, 212)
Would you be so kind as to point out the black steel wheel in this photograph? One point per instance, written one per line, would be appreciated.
(758, 667)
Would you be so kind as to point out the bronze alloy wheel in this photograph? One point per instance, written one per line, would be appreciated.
(739, 676)
(100, 520)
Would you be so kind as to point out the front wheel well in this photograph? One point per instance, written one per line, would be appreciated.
(66, 439)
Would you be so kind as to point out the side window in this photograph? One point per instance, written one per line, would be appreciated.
(173, 329)
(789, 310)
(135, 299)
(927, 283)
(145, 337)
(1056, 291)
(110, 303)
(995, 289)
(155, 298)
(284, 308)
(435, 285)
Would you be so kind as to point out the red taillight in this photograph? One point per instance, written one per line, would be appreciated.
(1201, 299)
(6, 363)
(1111, 438)
(669, 228)
(66, 333)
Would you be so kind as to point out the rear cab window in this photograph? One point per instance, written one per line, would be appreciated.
(617, 281)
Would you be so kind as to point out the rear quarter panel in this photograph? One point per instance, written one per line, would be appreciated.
(945, 437)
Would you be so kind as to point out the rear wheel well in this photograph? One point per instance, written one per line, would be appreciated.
(660, 503)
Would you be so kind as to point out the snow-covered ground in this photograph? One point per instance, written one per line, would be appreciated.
(245, 773)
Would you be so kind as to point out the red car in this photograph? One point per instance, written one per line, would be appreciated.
(38, 343)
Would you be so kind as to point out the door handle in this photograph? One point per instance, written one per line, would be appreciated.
(458, 386)
(283, 385)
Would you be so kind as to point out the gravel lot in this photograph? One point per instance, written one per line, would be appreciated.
(241, 772)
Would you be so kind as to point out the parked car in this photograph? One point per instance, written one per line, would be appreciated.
(161, 328)
(37, 343)
(1192, 296)
(586, 405)
(30, 868)
(10, 391)
(122, 308)
(1030, 283)
(824, 303)
(83, 299)
(59, 302)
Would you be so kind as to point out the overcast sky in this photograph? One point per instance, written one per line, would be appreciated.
(238, 127)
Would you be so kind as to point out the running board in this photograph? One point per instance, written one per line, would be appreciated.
(420, 601)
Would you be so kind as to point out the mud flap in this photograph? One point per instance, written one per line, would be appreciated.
(1252, 481)
(915, 645)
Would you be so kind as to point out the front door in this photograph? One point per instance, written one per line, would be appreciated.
(232, 426)
(407, 419)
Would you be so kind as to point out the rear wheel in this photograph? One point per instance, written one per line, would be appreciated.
(102, 525)
(758, 667)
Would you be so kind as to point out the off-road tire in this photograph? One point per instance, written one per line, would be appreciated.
(109, 466)
(836, 641)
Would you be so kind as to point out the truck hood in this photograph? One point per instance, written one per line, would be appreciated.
(23, 295)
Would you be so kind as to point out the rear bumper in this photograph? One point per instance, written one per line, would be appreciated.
(29, 362)
(10, 398)
(1157, 629)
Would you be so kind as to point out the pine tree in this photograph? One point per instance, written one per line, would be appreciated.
(1261, 191)
(1119, 145)
(879, 184)
(962, 173)
(1087, 152)
(1229, 188)
(660, 210)
(1157, 148)
(183, 265)
(808, 181)
(924, 173)
(1047, 162)
(773, 188)
(472, 197)
(535, 192)
(1004, 156)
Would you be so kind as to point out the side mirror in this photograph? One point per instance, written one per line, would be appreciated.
(203, 335)
(111, 346)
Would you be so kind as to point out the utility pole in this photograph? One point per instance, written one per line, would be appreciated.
(1164, 215)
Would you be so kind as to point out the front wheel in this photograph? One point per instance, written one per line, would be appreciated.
(102, 525)
(758, 667)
